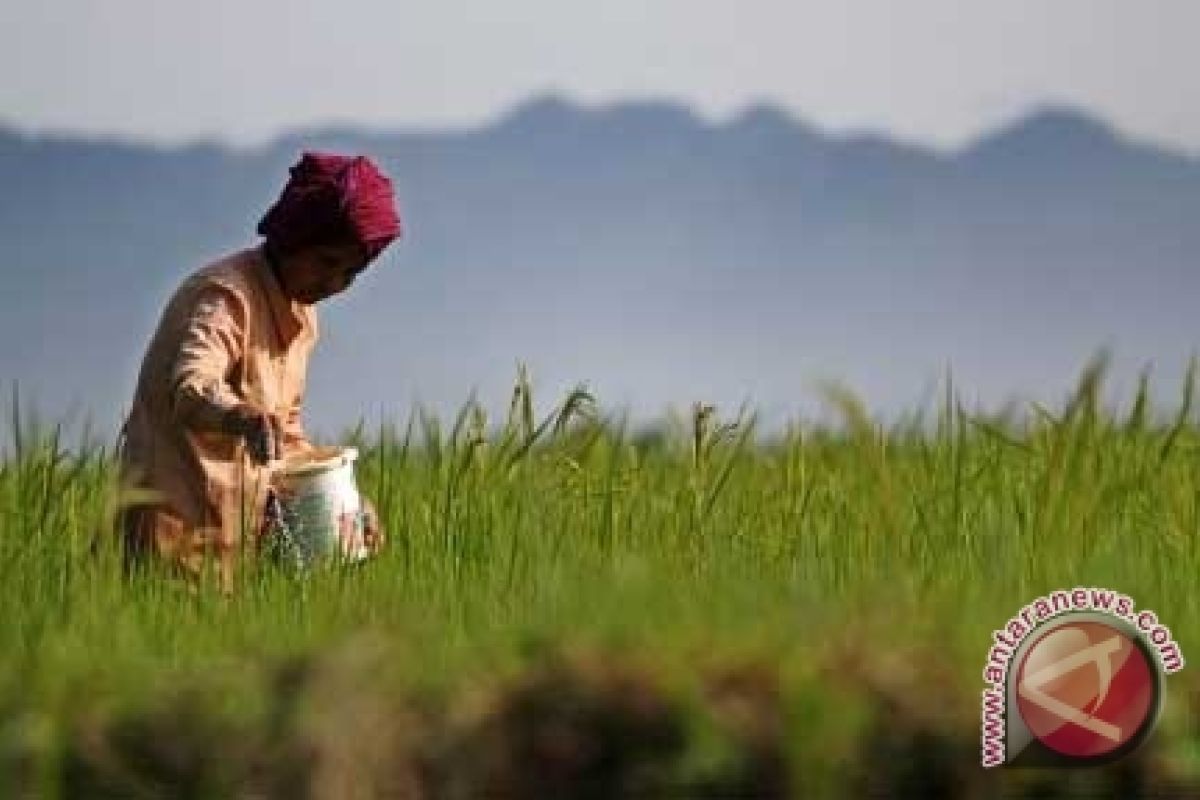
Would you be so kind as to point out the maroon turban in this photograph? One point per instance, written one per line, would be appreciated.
(332, 199)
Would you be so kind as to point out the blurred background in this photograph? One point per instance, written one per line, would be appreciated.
(669, 201)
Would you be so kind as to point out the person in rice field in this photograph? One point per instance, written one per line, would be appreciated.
(221, 388)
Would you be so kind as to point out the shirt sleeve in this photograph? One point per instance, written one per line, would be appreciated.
(210, 347)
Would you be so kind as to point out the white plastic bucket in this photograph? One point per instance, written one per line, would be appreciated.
(321, 504)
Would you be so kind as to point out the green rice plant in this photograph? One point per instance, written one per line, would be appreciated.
(822, 552)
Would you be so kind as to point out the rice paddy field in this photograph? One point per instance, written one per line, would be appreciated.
(569, 607)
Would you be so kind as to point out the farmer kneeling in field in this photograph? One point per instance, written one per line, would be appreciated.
(222, 383)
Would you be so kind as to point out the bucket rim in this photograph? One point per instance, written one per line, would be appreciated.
(321, 459)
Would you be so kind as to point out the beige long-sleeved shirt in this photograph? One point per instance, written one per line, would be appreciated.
(228, 335)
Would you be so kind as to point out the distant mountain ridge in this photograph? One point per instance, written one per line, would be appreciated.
(639, 248)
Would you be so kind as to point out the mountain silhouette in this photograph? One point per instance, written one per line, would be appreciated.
(636, 247)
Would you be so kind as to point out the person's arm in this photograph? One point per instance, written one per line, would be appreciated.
(373, 534)
(295, 440)
(201, 398)
(211, 345)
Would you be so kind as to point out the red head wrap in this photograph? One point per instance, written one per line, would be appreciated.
(332, 199)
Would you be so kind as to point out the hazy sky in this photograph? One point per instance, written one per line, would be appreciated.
(937, 71)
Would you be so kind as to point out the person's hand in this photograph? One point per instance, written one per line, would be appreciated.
(373, 536)
(262, 431)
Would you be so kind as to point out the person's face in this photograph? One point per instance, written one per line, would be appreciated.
(315, 273)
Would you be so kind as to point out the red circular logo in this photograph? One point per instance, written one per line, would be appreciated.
(1086, 689)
